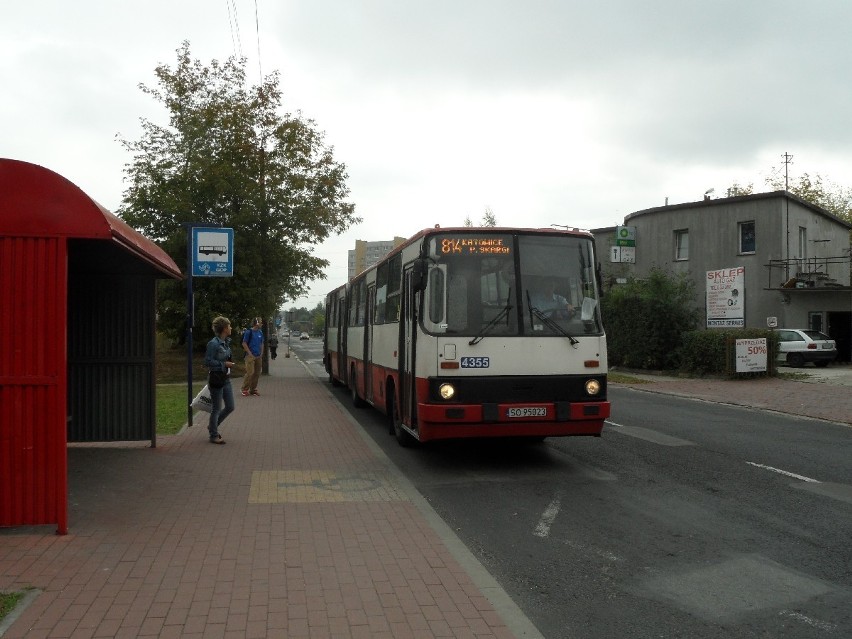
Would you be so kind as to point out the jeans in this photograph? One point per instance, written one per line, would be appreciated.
(218, 414)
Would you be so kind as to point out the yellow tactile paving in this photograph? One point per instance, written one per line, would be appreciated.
(309, 486)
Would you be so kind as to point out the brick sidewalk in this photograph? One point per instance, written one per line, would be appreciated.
(297, 527)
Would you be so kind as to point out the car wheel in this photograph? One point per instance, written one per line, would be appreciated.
(796, 360)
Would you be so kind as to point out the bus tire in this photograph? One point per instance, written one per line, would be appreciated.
(390, 393)
(332, 379)
(357, 402)
(403, 437)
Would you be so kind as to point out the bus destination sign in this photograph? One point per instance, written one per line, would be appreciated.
(472, 245)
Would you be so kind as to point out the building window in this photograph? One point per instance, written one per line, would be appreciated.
(682, 244)
(747, 243)
(803, 244)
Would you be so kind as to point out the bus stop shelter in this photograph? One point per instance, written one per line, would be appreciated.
(78, 309)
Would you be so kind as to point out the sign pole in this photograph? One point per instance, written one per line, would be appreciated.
(209, 253)
(190, 320)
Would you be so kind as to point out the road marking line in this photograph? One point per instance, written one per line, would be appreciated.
(547, 517)
(649, 435)
(784, 472)
(822, 625)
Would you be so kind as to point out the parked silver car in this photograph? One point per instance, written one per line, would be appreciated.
(799, 346)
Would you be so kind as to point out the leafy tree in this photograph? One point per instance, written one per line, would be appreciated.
(738, 189)
(819, 191)
(488, 218)
(645, 320)
(318, 320)
(229, 157)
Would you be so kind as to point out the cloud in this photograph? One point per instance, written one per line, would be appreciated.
(545, 111)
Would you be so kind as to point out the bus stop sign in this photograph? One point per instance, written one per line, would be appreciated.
(212, 252)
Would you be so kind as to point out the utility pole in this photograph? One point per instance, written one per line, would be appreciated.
(787, 160)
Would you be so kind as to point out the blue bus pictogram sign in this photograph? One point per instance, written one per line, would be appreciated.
(212, 252)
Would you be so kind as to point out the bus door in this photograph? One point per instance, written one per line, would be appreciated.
(368, 344)
(408, 350)
(341, 336)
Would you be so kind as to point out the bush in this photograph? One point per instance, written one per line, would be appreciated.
(714, 351)
(646, 319)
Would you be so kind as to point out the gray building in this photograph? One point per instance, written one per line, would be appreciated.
(762, 260)
(366, 254)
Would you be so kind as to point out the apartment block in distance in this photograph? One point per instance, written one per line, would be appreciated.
(368, 253)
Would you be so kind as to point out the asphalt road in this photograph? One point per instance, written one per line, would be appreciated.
(686, 519)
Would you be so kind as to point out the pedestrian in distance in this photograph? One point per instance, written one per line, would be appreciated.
(273, 346)
(218, 360)
(252, 342)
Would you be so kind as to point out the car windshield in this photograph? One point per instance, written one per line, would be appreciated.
(490, 284)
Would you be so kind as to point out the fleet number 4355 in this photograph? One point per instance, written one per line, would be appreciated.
(475, 362)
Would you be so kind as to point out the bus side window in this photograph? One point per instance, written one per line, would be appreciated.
(381, 293)
(362, 304)
(394, 288)
(353, 305)
(437, 292)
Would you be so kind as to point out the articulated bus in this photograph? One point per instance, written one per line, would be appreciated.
(475, 332)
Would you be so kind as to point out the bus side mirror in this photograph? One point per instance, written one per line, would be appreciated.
(418, 274)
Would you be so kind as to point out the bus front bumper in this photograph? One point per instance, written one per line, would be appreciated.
(555, 419)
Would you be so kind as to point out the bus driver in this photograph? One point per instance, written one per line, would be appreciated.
(550, 303)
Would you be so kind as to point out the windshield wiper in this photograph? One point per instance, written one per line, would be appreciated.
(547, 321)
(487, 328)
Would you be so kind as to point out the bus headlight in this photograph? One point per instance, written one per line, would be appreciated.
(446, 391)
(593, 387)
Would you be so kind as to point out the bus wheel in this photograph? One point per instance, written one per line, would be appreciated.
(403, 437)
(392, 410)
(332, 379)
(357, 402)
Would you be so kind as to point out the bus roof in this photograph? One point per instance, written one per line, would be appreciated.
(477, 229)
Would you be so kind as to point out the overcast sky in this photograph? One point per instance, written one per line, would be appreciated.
(545, 111)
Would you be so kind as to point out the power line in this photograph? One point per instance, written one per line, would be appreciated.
(257, 30)
(234, 23)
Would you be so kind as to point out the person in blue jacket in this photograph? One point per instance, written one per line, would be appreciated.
(218, 360)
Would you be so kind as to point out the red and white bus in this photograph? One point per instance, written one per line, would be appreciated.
(475, 332)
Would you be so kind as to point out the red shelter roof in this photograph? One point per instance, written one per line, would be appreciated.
(35, 201)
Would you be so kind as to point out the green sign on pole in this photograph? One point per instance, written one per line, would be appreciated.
(625, 236)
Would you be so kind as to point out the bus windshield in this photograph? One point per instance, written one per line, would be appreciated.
(499, 284)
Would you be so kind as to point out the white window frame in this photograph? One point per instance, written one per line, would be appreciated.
(742, 231)
(681, 245)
